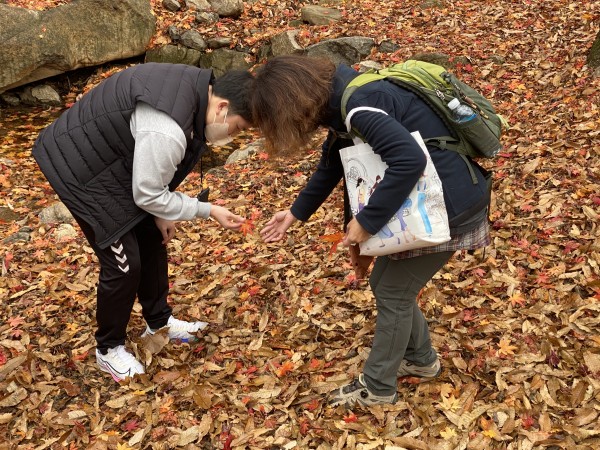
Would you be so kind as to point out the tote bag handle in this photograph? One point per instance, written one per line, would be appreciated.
(355, 138)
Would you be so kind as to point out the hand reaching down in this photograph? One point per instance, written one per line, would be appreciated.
(275, 228)
(226, 218)
(166, 227)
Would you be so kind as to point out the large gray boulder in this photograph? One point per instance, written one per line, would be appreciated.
(173, 54)
(285, 43)
(320, 15)
(228, 8)
(40, 44)
(223, 59)
(345, 50)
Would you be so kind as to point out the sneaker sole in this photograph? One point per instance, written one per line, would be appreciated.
(417, 379)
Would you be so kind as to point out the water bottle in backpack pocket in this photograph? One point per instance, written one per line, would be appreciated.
(477, 133)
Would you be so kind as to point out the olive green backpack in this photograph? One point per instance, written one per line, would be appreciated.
(477, 138)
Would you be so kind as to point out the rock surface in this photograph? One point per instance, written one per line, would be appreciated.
(41, 44)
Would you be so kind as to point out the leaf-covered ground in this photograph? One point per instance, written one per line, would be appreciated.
(517, 325)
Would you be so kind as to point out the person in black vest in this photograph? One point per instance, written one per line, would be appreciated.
(115, 159)
(387, 116)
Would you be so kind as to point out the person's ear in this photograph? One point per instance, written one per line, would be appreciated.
(222, 104)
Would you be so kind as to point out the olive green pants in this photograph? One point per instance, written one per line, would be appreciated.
(401, 331)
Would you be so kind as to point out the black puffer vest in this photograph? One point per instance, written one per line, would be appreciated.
(87, 153)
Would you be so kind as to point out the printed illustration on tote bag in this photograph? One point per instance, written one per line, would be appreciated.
(421, 221)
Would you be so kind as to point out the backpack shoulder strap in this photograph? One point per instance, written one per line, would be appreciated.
(358, 81)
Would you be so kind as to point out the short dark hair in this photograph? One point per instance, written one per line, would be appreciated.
(235, 86)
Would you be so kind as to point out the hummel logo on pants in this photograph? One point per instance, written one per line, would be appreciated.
(120, 256)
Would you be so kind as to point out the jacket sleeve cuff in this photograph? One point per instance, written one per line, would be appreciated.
(203, 210)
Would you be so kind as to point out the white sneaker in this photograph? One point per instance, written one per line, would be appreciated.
(119, 363)
(180, 330)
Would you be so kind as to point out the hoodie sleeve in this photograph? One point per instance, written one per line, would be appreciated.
(160, 146)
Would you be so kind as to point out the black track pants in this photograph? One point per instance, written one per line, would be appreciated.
(136, 264)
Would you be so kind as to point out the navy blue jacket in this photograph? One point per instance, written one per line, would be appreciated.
(389, 136)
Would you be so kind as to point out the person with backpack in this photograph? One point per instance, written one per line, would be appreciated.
(115, 159)
(292, 97)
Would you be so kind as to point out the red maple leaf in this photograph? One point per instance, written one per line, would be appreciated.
(16, 321)
(526, 207)
(130, 425)
(570, 246)
(253, 290)
(315, 363)
(304, 427)
(228, 439)
(479, 272)
(468, 315)
(312, 405)
(543, 279)
(527, 421)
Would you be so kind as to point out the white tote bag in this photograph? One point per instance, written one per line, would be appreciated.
(421, 221)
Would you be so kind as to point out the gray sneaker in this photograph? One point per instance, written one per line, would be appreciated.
(408, 369)
(357, 392)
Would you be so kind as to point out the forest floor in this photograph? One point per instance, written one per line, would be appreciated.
(516, 326)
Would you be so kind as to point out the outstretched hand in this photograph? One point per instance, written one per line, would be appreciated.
(275, 228)
(226, 218)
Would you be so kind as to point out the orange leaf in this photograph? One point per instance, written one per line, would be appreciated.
(334, 238)
(315, 363)
(247, 227)
(350, 418)
(517, 299)
(285, 368)
(304, 427)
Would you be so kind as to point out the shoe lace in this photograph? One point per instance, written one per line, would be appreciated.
(180, 325)
(354, 386)
(124, 356)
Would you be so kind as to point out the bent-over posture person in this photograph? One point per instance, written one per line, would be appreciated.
(115, 159)
(292, 97)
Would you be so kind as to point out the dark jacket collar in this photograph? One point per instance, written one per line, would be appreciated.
(343, 75)
(205, 78)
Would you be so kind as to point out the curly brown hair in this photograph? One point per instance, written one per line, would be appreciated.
(289, 100)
